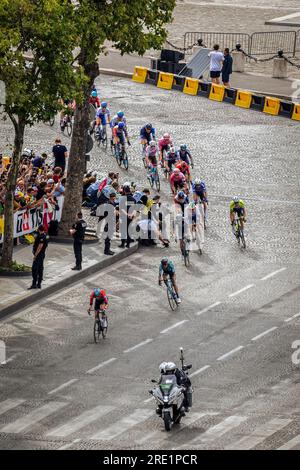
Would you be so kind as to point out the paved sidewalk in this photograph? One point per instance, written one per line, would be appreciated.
(57, 271)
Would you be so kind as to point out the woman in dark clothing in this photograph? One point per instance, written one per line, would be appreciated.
(227, 67)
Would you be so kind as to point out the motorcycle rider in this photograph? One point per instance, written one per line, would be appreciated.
(169, 368)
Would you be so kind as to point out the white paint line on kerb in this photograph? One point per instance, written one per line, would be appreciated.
(64, 385)
(99, 366)
(221, 358)
(288, 319)
(199, 371)
(138, 345)
(173, 326)
(272, 274)
(241, 290)
(264, 333)
(207, 308)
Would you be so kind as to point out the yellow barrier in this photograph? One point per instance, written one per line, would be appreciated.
(272, 106)
(165, 80)
(296, 112)
(243, 99)
(191, 86)
(217, 92)
(139, 74)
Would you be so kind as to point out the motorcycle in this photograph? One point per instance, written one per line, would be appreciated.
(170, 397)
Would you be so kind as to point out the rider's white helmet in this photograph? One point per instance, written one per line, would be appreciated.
(170, 367)
(162, 367)
(152, 143)
(236, 199)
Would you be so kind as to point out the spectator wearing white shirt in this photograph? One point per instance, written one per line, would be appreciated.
(216, 64)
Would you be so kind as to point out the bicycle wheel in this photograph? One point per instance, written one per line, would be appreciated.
(97, 331)
(118, 155)
(151, 180)
(104, 326)
(145, 163)
(157, 182)
(69, 128)
(171, 297)
(112, 149)
(186, 256)
(125, 160)
(104, 141)
(242, 237)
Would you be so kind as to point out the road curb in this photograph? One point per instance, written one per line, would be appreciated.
(61, 284)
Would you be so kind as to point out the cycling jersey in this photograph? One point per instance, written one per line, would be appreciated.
(163, 144)
(102, 114)
(184, 156)
(120, 134)
(99, 300)
(115, 121)
(177, 178)
(184, 171)
(151, 154)
(95, 101)
(240, 210)
(168, 269)
(147, 135)
(200, 190)
(181, 203)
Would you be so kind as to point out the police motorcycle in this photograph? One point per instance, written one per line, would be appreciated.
(173, 393)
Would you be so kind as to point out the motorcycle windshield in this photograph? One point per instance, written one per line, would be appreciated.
(167, 383)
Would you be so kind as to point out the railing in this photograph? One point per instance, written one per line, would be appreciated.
(256, 44)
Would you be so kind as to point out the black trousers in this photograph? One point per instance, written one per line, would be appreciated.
(77, 245)
(38, 269)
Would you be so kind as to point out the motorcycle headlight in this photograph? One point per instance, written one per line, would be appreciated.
(166, 399)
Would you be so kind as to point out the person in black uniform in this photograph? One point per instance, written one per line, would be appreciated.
(78, 232)
(39, 248)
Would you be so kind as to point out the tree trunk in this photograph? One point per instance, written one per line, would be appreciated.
(8, 241)
(76, 166)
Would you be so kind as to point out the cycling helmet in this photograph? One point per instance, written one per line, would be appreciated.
(104, 104)
(181, 194)
(148, 126)
(176, 171)
(183, 147)
(184, 164)
(236, 199)
(197, 181)
(27, 153)
(166, 136)
(120, 114)
(126, 184)
(170, 368)
(97, 292)
(121, 125)
(94, 94)
(165, 260)
(152, 143)
(192, 205)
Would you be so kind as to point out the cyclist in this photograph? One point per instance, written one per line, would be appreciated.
(101, 114)
(171, 159)
(151, 156)
(185, 170)
(238, 206)
(94, 99)
(194, 219)
(177, 180)
(164, 143)
(101, 301)
(119, 134)
(119, 117)
(200, 193)
(185, 155)
(147, 133)
(69, 106)
(167, 269)
(181, 200)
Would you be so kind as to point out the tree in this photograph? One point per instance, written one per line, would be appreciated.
(36, 64)
(132, 26)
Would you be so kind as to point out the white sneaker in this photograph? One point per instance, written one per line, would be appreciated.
(178, 300)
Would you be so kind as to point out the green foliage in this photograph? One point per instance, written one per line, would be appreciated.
(16, 267)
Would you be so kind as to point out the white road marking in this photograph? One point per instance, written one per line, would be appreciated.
(288, 319)
(149, 399)
(241, 290)
(67, 446)
(264, 333)
(32, 418)
(80, 421)
(173, 326)
(148, 436)
(219, 429)
(64, 385)
(207, 308)
(272, 274)
(229, 353)
(90, 371)
(199, 371)
(123, 425)
(138, 345)
(291, 444)
(11, 358)
(9, 404)
(259, 434)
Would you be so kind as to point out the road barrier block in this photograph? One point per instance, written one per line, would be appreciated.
(230, 95)
(165, 80)
(178, 82)
(139, 74)
(191, 86)
(152, 77)
(272, 105)
(243, 99)
(286, 108)
(217, 92)
(258, 102)
(296, 112)
(204, 89)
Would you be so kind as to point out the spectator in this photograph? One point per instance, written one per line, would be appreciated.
(60, 154)
(227, 68)
(78, 232)
(107, 241)
(126, 215)
(216, 62)
(39, 249)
